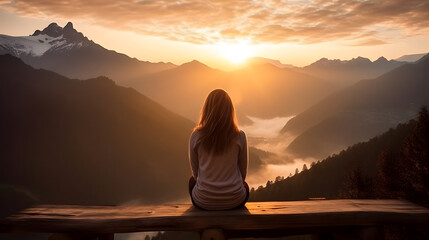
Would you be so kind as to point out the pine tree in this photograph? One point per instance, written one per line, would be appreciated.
(304, 167)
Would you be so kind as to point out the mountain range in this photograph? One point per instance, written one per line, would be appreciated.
(265, 88)
(360, 111)
(69, 53)
(344, 73)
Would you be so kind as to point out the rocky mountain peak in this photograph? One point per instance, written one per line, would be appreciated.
(68, 26)
(69, 33)
(52, 30)
(381, 60)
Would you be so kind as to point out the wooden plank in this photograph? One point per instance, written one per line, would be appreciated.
(184, 217)
(81, 236)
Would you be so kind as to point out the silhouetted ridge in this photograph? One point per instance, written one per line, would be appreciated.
(261, 60)
(13, 64)
(324, 62)
(423, 59)
(347, 63)
(360, 60)
(194, 65)
(381, 60)
(344, 73)
(71, 141)
(68, 26)
(102, 80)
(411, 57)
(267, 66)
(11, 60)
(360, 111)
(52, 30)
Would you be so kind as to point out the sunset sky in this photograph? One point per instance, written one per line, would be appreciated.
(220, 32)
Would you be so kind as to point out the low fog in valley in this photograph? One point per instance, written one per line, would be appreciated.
(265, 135)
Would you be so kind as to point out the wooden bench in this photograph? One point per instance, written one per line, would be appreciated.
(256, 219)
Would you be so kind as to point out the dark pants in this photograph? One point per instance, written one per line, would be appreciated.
(192, 183)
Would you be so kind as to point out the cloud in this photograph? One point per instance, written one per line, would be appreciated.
(274, 21)
(369, 42)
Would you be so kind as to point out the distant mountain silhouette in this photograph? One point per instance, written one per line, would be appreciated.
(361, 111)
(70, 53)
(263, 91)
(344, 73)
(88, 142)
(411, 57)
(262, 61)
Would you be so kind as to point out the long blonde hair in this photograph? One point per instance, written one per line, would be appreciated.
(218, 122)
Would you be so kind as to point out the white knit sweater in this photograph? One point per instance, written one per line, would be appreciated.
(219, 178)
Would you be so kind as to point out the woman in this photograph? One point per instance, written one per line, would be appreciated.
(218, 157)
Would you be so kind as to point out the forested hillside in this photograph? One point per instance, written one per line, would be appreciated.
(393, 165)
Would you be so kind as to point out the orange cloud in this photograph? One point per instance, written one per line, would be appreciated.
(275, 21)
(369, 42)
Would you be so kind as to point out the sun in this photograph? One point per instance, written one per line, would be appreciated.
(236, 53)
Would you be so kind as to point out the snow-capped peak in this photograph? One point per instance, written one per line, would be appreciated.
(68, 32)
(52, 38)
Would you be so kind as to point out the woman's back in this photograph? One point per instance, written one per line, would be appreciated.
(220, 177)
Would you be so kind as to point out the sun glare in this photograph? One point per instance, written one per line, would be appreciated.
(236, 53)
